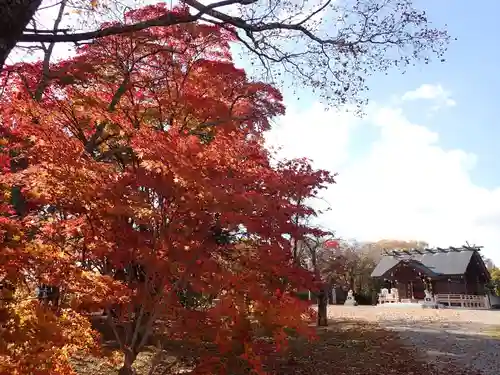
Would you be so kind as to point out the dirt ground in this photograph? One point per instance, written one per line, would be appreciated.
(468, 339)
(481, 318)
(378, 341)
(344, 348)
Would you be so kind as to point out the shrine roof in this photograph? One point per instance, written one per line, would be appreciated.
(419, 267)
(438, 261)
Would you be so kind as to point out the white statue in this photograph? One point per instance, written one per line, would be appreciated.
(382, 296)
(428, 295)
(429, 300)
(350, 301)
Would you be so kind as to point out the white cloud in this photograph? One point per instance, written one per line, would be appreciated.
(435, 93)
(407, 186)
(316, 133)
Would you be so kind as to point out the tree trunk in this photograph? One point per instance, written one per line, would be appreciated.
(14, 17)
(351, 283)
(128, 361)
(126, 370)
(322, 307)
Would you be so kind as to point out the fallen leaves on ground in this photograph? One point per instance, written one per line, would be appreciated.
(344, 348)
(352, 348)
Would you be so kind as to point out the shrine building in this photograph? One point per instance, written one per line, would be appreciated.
(456, 277)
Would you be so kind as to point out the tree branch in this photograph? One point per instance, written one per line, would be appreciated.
(47, 55)
(168, 19)
(334, 62)
(14, 18)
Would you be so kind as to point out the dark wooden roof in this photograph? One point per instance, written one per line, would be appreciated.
(439, 261)
(418, 266)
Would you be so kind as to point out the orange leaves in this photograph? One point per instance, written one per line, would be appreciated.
(151, 196)
(105, 292)
(35, 340)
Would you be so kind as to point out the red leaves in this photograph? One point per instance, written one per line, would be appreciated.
(135, 173)
(154, 11)
(332, 244)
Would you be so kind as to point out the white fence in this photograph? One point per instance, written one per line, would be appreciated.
(465, 301)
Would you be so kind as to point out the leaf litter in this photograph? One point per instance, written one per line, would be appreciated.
(345, 347)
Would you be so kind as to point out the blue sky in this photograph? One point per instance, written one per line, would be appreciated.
(450, 194)
(471, 74)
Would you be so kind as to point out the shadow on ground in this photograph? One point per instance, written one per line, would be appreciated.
(346, 347)
(472, 345)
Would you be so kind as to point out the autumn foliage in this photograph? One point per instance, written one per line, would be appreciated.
(149, 201)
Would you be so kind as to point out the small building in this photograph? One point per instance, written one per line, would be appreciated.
(454, 276)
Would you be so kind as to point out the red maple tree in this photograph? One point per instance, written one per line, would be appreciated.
(150, 197)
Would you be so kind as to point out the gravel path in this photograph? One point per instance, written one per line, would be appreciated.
(462, 337)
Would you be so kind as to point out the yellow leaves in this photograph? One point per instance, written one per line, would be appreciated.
(155, 166)
(115, 358)
(16, 238)
(36, 341)
(7, 195)
(180, 182)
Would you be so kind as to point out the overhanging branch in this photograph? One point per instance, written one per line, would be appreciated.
(168, 19)
(165, 20)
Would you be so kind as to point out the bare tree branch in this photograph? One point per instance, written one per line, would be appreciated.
(48, 54)
(330, 48)
(168, 19)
